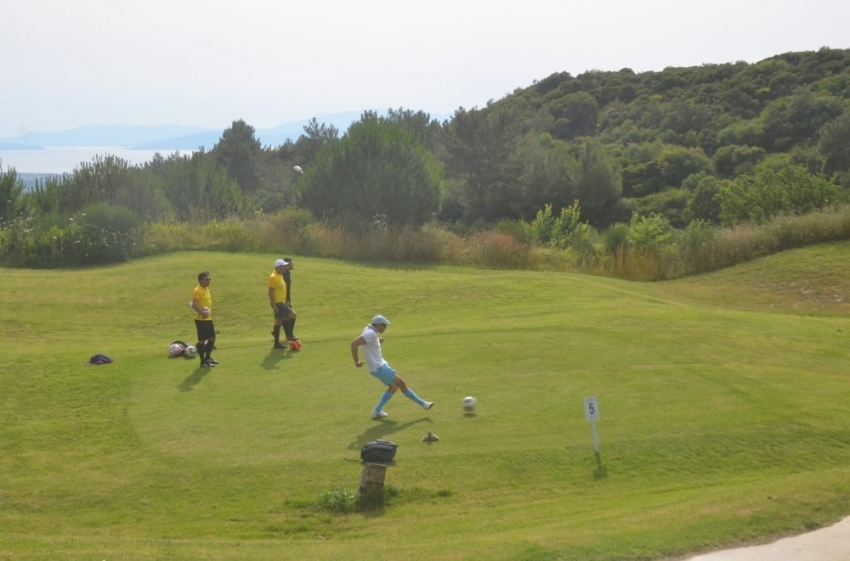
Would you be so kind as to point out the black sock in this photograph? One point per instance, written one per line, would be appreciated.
(287, 328)
(292, 328)
(276, 333)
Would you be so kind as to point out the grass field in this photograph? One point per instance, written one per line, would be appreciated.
(724, 404)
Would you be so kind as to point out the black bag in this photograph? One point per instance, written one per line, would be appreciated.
(378, 451)
(100, 359)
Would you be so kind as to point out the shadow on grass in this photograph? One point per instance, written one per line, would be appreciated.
(383, 429)
(193, 379)
(275, 356)
(601, 472)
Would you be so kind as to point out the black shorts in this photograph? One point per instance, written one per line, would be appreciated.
(283, 310)
(206, 329)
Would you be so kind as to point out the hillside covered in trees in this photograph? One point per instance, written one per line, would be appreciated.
(715, 144)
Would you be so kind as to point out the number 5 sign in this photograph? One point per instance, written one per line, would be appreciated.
(591, 409)
(591, 413)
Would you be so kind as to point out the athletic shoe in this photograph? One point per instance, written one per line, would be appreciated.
(208, 364)
(427, 405)
(212, 361)
(289, 340)
(379, 414)
(280, 346)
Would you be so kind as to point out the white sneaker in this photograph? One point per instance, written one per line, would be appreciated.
(427, 405)
(379, 414)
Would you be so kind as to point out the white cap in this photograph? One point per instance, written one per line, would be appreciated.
(280, 263)
(380, 320)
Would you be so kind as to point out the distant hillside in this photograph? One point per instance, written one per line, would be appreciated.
(268, 137)
(168, 137)
(98, 135)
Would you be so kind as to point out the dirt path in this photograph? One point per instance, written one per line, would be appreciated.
(826, 544)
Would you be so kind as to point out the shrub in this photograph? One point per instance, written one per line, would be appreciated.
(543, 225)
(648, 233)
(110, 218)
(498, 251)
(519, 229)
(616, 238)
(338, 499)
(568, 230)
(774, 190)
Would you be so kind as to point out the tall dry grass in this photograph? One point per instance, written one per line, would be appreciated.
(696, 250)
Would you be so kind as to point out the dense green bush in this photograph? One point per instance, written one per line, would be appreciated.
(772, 190)
(616, 238)
(69, 246)
(110, 218)
(649, 233)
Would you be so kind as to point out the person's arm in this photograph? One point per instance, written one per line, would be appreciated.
(271, 298)
(355, 349)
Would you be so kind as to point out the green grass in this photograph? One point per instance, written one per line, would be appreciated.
(723, 399)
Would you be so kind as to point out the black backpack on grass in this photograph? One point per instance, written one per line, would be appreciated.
(378, 451)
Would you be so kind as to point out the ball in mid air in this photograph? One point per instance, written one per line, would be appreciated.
(469, 403)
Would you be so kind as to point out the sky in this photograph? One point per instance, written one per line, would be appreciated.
(71, 63)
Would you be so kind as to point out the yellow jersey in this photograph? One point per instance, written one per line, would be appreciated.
(204, 298)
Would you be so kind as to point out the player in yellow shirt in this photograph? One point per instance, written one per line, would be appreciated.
(280, 300)
(202, 304)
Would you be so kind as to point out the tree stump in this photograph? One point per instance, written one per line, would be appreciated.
(372, 479)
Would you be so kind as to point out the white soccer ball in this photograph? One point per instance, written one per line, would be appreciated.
(175, 349)
(469, 403)
(205, 310)
(191, 351)
(298, 169)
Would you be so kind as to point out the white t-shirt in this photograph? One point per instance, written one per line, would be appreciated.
(372, 354)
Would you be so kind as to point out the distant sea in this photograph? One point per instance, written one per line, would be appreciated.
(66, 159)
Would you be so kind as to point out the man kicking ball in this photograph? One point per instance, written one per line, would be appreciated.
(371, 341)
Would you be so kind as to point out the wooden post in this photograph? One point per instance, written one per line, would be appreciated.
(372, 479)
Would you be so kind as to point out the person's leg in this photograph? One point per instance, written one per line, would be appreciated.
(291, 336)
(210, 347)
(283, 315)
(386, 375)
(206, 337)
(410, 394)
(385, 397)
(288, 324)
(210, 337)
(201, 344)
(278, 322)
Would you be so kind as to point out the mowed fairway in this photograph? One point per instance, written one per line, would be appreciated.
(724, 400)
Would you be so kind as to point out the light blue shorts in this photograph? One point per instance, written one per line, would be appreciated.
(385, 374)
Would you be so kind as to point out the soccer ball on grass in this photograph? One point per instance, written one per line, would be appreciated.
(469, 404)
(295, 346)
(191, 351)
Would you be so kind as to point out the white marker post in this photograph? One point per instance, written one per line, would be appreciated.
(591, 413)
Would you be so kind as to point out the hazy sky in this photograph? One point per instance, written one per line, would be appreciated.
(70, 63)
